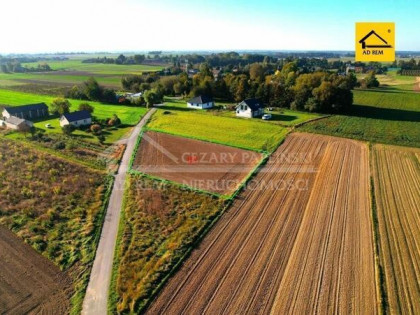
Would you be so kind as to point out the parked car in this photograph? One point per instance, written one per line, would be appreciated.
(48, 126)
(266, 116)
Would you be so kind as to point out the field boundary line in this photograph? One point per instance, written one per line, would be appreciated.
(309, 121)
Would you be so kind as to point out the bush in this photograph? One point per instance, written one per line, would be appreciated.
(96, 129)
(60, 145)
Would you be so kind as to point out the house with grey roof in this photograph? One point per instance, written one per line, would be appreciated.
(16, 123)
(250, 108)
(77, 119)
(200, 102)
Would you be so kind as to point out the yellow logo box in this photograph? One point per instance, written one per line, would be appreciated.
(375, 41)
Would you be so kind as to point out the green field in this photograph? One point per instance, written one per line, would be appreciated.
(95, 68)
(129, 115)
(244, 133)
(73, 71)
(386, 115)
(393, 81)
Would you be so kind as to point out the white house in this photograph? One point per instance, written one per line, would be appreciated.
(77, 119)
(16, 123)
(200, 102)
(250, 108)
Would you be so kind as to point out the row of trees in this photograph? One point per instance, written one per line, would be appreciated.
(408, 65)
(60, 106)
(120, 60)
(16, 67)
(289, 87)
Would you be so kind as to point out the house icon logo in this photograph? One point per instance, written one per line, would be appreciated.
(371, 33)
(375, 41)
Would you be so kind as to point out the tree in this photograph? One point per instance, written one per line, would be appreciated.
(60, 106)
(256, 72)
(68, 129)
(139, 58)
(96, 129)
(371, 80)
(87, 107)
(92, 90)
(151, 98)
(114, 121)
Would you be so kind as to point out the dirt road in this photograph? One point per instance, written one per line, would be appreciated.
(96, 298)
(298, 240)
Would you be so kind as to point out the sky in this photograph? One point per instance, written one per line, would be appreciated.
(28, 26)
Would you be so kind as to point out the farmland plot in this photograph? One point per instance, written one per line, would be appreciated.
(309, 205)
(397, 191)
(202, 165)
(54, 206)
(28, 281)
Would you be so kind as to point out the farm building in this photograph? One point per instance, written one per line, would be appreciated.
(200, 102)
(77, 119)
(32, 111)
(16, 123)
(250, 108)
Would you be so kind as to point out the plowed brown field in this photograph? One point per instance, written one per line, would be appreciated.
(397, 191)
(305, 246)
(202, 165)
(29, 283)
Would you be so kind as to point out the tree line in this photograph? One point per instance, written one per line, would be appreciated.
(289, 87)
(120, 60)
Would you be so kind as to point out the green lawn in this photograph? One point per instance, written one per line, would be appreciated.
(129, 115)
(382, 115)
(283, 117)
(96, 68)
(244, 133)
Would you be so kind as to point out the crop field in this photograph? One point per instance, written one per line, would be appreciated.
(396, 173)
(394, 80)
(247, 134)
(202, 165)
(96, 68)
(54, 206)
(72, 72)
(160, 223)
(29, 283)
(384, 115)
(265, 254)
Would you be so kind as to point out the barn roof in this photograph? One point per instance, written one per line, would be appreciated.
(201, 99)
(25, 108)
(79, 115)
